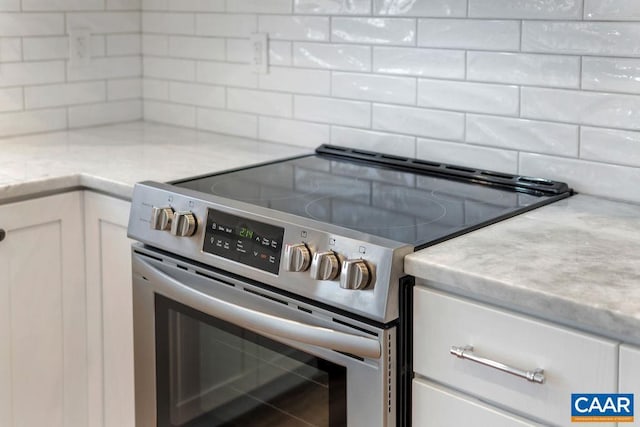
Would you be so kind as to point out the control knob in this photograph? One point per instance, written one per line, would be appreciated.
(355, 274)
(297, 257)
(325, 266)
(161, 218)
(184, 224)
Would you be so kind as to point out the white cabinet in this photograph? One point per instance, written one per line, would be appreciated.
(109, 312)
(43, 359)
(573, 362)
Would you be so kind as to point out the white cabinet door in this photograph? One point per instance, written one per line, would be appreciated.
(43, 359)
(436, 406)
(109, 312)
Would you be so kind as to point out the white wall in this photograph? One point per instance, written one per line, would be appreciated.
(40, 90)
(538, 87)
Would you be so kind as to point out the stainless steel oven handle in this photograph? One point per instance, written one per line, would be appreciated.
(257, 321)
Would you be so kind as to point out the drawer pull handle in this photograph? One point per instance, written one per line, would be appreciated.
(535, 376)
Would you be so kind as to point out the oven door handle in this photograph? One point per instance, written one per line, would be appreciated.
(257, 321)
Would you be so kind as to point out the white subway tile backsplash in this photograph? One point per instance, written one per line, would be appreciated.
(313, 82)
(332, 56)
(587, 108)
(169, 68)
(228, 122)
(107, 68)
(124, 44)
(195, 5)
(294, 132)
(170, 113)
(386, 31)
(197, 94)
(61, 5)
(31, 73)
(155, 89)
(239, 50)
(155, 45)
(524, 69)
(25, 122)
(333, 7)
(399, 145)
(468, 155)
(156, 5)
(124, 89)
(293, 27)
(418, 121)
(435, 8)
(197, 47)
(10, 49)
(47, 96)
(31, 24)
(369, 87)
(57, 47)
(168, 23)
(124, 5)
(469, 34)
(332, 111)
(224, 25)
(9, 5)
(601, 179)
(280, 53)
(582, 38)
(610, 146)
(612, 10)
(419, 62)
(222, 73)
(526, 9)
(100, 22)
(260, 102)
(611, 74)
(101, 114)
(468, 96)
(11, 99)
(524, 135)
(259, 6)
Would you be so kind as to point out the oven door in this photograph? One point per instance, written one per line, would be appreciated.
(214, 350)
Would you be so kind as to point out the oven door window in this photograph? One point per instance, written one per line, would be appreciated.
(213, 373)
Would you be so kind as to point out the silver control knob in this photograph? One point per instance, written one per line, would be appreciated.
(297, 257)
(325, 266)
(184, 224)
(161, 218)
(355, 274)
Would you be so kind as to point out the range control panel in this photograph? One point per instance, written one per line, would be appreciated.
(246, 241)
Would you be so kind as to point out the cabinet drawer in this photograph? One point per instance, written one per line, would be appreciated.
(572, 362)
(435, 406)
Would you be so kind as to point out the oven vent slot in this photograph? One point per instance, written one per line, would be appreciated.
(149, 256)
(182, 267)
(306, 310)
(269, 297)
(354, 327)
(199, 273)
(353, 356)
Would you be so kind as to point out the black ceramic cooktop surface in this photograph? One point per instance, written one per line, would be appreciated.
(405, 206)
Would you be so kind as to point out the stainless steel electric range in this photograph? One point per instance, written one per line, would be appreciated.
(275, 295)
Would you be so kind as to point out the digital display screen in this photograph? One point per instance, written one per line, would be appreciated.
(243, 240)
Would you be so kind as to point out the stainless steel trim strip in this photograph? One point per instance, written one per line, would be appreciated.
(466, 352)
(260, 322)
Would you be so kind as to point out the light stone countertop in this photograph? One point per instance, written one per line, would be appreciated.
(575, 262)
(111, 159)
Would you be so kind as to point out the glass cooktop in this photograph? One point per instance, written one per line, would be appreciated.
(407, 205)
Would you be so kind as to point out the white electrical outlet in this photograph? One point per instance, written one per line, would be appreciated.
(79, 47)
(259, 52)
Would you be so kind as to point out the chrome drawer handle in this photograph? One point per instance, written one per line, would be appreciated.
(535, 376)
